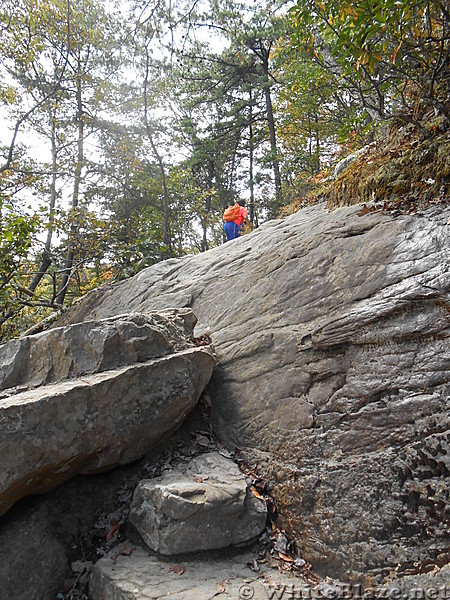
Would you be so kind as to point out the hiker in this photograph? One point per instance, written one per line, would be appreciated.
(238, 216)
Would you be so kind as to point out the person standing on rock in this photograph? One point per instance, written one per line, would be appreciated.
(233, 228)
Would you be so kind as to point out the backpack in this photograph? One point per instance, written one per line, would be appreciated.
(231, 213)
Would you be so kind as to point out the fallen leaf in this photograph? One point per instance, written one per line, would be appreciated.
(112, 532)
(365, 209)
(125, 495)
(202, 440)
(285, 557)
(202, 340)
(69, 583)
(79, 566)
(281, 543)
(255, 492)
(178, 569)
(225, 453)
(254, 566)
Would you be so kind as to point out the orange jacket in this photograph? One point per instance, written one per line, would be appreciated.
(243, 214)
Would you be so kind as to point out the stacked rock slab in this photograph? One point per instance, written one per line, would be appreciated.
(205, 506)
(88, 397)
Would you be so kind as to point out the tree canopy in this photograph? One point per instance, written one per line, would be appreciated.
(129, 126)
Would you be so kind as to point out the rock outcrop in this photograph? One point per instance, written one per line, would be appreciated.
(205, 506)
(92, 347)
(88, 397)
(130, 572)
(332, 336)
(343, 164)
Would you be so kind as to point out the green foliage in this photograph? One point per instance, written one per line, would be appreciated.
(147, 136)
(195, 207)
(385, 51)
(16, 240)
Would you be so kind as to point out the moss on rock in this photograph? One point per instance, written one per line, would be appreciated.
(405, 167)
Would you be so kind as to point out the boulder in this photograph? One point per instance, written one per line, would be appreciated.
(113, 390)
(332, 336)
(45, 540)
(129, 572)
(92, 347)
(206, 505)
(33, 562)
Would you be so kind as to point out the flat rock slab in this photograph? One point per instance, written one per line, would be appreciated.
(99, 420)
(205, 505)
(92, 347)
(137, 575)
(434, 584)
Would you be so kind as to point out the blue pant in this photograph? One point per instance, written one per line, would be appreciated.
(231, 230)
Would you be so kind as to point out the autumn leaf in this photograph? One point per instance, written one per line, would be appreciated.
(285, 557)
(126, 551)
(112, 532)
(178, 569)
(396, 51)
(254, 566)
(255, 492)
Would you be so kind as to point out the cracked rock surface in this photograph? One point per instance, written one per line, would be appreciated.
(205, 506)
(136, 574)
(332, 336)
(88, 397)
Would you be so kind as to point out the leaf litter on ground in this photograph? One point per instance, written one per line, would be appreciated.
(276, 549)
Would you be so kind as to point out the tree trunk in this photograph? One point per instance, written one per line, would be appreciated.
(166, 231)
(318, 149)
(46, 260)
(273, 139)
(67, 271)
(310, 149)
(204, 245)
(251, 148)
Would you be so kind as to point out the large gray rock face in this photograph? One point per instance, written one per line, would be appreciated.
(331, 331)
(134, 379)
(205, 506)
